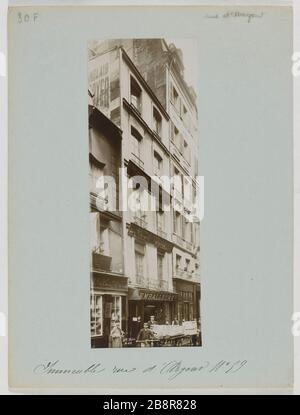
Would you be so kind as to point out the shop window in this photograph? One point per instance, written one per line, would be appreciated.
(157, 121)
(186, 311)
(135, 94)
(116, 310)
(97, 315)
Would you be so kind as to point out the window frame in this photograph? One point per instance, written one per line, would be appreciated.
(93, 310)
(135, 94)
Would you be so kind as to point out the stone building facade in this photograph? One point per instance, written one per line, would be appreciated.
(138, 84)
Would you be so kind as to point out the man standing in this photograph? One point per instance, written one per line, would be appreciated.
(145, 336)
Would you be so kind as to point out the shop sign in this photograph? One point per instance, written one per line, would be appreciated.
(108, 282)
(99, 82)
(189, 327)
(156, 296)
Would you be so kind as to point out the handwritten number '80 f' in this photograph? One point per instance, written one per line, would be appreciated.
(27, 18)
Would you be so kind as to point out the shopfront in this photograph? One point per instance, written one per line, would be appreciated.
(144, 303)
(108, 306)
(187, 306)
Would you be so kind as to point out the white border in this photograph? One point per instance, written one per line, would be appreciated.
(3, 188)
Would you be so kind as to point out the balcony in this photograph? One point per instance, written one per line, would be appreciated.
(136, 160)
(183, 273)
(189, 246)
(101, 262)
(140, 221)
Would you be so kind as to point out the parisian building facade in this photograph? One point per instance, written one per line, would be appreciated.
(142, 119)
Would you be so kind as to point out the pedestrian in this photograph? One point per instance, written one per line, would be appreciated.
(145, 336)
(116, 335)
(175, 322)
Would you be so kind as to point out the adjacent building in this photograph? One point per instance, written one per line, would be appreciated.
(108, 281)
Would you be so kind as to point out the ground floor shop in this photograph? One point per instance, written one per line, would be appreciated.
(108, 306)
(172, 317)
(188, 300)
(146, 305)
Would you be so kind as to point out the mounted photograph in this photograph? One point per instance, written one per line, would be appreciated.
(144, 193)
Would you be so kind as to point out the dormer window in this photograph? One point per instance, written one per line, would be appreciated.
(135, 94)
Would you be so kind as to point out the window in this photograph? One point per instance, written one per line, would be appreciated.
(178, 261)
(186, 311)
(160, 220)
(158, 163)
(135, 146)
(160, 265)
(189, 231)
(177, 182)
(156, 121)
(176, 99)
(183, 225)
(186, 152)
(135, 94)
(176, 137)
(96, 315)
(104, 239)
(184, 112)
(116, 310)
(187, 265)
(177, 223)
(139, 260)
(136, 141)
(96, 171)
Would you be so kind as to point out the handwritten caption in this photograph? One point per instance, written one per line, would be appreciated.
(235, 14)
(171, 369)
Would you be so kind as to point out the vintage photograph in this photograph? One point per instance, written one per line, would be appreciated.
(144, 193)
